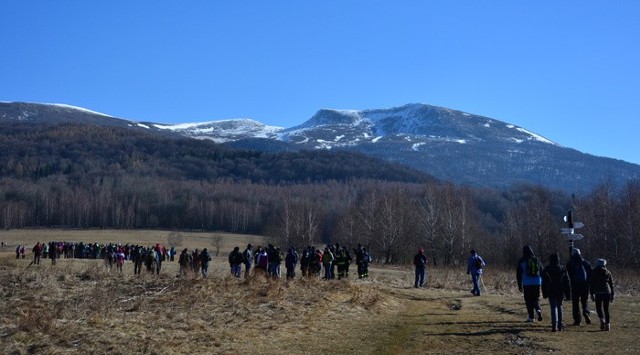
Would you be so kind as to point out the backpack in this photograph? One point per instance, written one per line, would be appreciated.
(263, 261)
(478, 263)
(247, 256)
(533, 266)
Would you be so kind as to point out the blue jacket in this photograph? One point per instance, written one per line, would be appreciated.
(471, 264)
(523, 277)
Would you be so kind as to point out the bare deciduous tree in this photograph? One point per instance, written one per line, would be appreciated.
(216, 240)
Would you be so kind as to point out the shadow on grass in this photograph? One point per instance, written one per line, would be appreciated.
(494, 331)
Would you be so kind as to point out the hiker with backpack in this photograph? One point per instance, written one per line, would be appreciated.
(556, 287)
(529, 281)
(602, 292)
(580, 274)
(475, 263)
(420, 262)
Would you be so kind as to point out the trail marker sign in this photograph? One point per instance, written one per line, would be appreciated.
(572, 237)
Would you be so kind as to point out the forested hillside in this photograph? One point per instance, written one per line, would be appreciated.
(78, 176)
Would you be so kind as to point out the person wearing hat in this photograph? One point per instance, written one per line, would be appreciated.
(580, 275)
(475, 263)
(420, 261)
(602, 292)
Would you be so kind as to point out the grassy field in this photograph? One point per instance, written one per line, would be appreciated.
(79, 306)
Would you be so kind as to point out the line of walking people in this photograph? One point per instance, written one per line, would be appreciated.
(575, 281)
(313, 261)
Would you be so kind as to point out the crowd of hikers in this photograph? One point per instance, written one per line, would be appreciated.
(575, 281)
(331, 263)
(312, 262)
(113, 254)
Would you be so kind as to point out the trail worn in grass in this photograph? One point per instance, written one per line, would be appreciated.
(445, 321)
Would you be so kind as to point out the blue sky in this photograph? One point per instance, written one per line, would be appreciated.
(567, 70)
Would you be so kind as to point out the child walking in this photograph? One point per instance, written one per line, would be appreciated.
(602, 292)
(556, 287)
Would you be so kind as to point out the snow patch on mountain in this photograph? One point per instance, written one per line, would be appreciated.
(535, 136)
(417, 146)
(224, 130)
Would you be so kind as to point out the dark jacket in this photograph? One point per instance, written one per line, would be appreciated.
(601, 281)
(420, 261)
(555, 280)
(576, 265)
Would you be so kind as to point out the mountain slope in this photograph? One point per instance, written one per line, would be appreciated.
(448, 144)
(457, 146)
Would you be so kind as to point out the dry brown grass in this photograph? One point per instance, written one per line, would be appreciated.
(79, 306)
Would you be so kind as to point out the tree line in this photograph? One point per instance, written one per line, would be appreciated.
(57, 179)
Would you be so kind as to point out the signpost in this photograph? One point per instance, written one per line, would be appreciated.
(569, 231)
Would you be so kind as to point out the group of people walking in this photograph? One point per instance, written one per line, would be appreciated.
(575, 281)
(313, 261)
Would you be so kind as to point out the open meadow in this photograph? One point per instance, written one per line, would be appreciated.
(81, 306)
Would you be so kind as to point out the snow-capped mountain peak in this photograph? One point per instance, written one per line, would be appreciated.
(223, 130)
(417, 124)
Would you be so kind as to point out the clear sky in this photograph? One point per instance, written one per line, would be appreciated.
(567, 70)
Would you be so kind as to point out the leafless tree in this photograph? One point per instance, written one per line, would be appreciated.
(216, 240)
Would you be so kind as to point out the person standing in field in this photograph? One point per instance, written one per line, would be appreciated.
(420, 262)
(580, 274)
(37, 253)
(53, 253)
(262, 262)
(556, 287)
(247, 259)
(529, 281)
(119, 256)
(475, 263)
(290, 262)
(341, 262)
(184, 261)
(205, 258)
(137, 255)
(235, 262)
(602, 292)
(327, 260)
(304, 261)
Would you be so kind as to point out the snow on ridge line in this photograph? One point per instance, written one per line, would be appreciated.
(184, 126)
(78, 109)
(537, 137)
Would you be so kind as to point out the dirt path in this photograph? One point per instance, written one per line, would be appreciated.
(443, 321)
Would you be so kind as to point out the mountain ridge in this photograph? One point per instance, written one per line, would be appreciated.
(449, 144)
